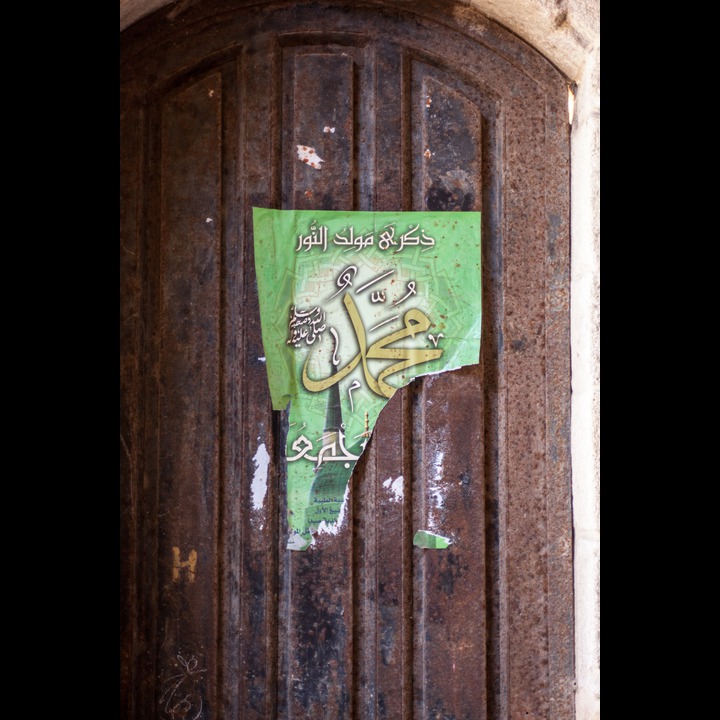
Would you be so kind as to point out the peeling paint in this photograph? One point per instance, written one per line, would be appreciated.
(328, 129)
(396, 487)
(439, 463)
(435, 489)
(334, 528)
(434, 485)
(259, 481)
(309, 156)
(427, 153)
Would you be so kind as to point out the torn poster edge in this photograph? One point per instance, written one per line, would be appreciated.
(422, 537)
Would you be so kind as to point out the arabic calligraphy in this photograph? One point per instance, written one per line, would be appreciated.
(345, 279)
(328, 451)
(355, 385)
(378, 361)
(411, 291)
(305, 325)
(350, 239)
(374, 280)
(414, 321)
(313, 238)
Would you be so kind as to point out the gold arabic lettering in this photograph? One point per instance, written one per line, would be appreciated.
(415, 321)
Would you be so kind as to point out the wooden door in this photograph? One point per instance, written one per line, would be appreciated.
(412, 106)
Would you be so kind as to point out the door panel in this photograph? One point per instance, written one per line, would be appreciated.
(409, 109)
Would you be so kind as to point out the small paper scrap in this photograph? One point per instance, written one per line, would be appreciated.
(309, 156)
(426, 539)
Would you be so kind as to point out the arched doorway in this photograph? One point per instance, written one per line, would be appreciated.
(432, 110)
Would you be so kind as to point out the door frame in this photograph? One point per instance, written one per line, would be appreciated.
(569, 37)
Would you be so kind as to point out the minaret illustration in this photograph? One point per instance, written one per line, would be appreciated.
(333, 473)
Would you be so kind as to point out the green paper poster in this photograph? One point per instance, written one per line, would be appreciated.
(353, 306)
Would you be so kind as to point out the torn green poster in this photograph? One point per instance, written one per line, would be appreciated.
(353, 306)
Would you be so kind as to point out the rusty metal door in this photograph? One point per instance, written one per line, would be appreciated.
(412, 106)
